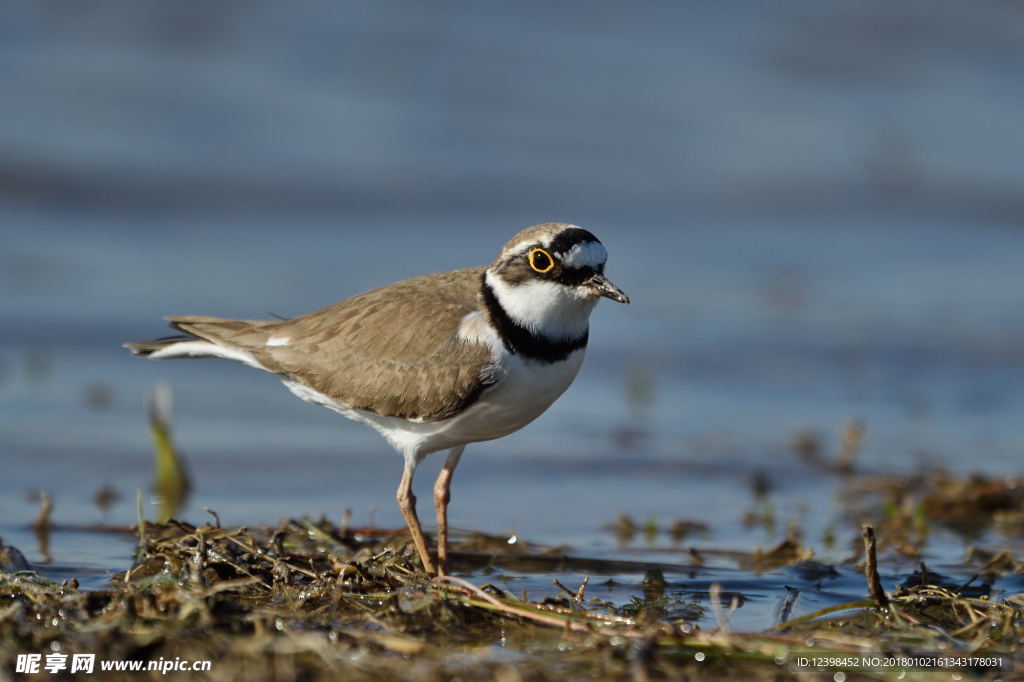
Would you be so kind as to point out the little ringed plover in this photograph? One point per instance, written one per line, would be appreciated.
(433, 362)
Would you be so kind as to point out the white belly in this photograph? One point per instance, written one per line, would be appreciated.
(525, 391)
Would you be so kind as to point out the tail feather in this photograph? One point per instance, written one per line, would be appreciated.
(146, 348)
(244, 334)
(210, 337)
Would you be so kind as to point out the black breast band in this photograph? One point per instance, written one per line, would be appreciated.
(519, 340)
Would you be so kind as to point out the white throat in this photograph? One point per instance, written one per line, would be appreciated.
(548, 309)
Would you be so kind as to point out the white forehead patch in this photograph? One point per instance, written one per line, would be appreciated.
(584, 254)
(521, 247)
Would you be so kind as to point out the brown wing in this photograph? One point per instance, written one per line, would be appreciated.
(392, 351)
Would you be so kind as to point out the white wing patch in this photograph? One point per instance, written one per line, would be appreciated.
(279, 340)
(474, 328)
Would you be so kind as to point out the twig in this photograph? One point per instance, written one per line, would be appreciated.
(578, 595)
(582, 592)
(821, 612)
(512, 610)
(871, 567)
(142, 519)
(559, 585)
(967, 584)
(715, 597)
(346, 521)
(42, 522)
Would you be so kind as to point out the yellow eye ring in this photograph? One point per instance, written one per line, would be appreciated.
(546, 261)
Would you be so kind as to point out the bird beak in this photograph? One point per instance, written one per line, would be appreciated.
(600, 285)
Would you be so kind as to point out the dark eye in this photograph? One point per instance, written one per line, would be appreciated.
(541, 261)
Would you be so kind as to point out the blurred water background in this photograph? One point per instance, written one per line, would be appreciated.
(816, 208)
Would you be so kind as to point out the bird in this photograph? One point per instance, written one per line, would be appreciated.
(434, 362)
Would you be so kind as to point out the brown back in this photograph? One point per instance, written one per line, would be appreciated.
(392, 351)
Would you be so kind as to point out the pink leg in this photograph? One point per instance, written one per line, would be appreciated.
(442, 495)
(407, 503)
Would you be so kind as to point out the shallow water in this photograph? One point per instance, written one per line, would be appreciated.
(810, 232)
